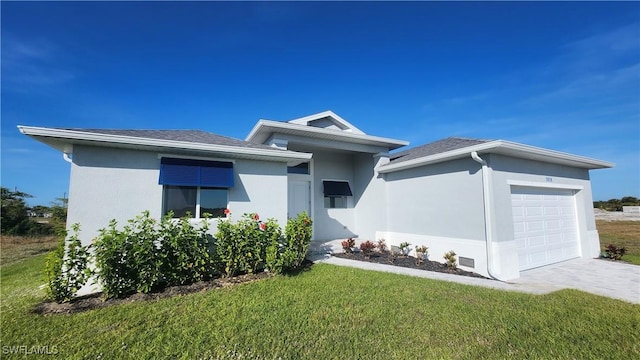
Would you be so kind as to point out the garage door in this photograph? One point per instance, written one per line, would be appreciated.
(545, 225)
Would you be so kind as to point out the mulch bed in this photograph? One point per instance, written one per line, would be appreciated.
(96, 301)
(389, 258)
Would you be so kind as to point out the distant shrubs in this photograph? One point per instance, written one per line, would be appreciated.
(613, 252)
(148, 255)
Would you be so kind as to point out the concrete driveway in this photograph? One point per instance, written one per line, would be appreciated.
(606, 278)
(601, 277)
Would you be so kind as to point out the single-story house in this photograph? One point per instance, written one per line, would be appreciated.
(503, 207)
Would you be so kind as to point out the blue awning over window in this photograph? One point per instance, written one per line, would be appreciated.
(336, 188)
(190, 172)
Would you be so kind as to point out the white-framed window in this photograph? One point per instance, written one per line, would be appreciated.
(194, 200)
(336, 193)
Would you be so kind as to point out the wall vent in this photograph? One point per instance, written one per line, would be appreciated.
(468, 262)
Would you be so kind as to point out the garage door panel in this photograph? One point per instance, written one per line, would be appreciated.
(545, 226)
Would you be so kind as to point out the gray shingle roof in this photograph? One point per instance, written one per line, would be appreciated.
(436, 147)
(194, 136)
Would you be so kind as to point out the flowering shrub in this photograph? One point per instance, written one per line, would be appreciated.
(367, 247)
(242, 247)
(147, 255)
(382, 246)
(348, 245)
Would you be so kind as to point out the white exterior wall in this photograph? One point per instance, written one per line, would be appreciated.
(330, 224)
(109, 183)
(440, 206)
(370, 196)
(260, 187)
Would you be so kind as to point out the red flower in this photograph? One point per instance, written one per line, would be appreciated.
(256, 217)
(227, 212)
(262, 226)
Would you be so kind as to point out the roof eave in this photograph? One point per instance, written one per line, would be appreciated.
(501, 147)
(264, 128)
(42, 134)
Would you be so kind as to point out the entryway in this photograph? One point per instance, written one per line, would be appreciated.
(299, 198)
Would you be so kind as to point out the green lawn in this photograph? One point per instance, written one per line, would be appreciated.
(327, 312)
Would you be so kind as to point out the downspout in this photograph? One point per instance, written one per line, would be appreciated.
(486, 198)
(66, 158)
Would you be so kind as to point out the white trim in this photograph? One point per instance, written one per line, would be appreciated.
(272, 154)
(160, 156)
(305, 121)
(504, 147)
(544, 185)
(310, 131)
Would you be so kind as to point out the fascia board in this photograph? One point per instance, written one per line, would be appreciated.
(553, 154)
(282, 155)
(496, 147)
(266, 125)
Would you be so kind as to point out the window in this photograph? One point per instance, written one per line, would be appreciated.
(335, 194)
(195, 186)
(299, 169)
(194, 200)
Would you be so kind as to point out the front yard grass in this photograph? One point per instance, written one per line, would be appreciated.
(327, 312)
(622, 234)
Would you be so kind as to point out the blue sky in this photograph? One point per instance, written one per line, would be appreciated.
(564, 76)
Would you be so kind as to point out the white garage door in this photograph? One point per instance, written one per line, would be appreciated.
(545, 225)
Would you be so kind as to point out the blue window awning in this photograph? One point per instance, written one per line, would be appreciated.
(191, 172)
(336, 188)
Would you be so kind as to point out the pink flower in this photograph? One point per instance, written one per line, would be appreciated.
(256, 217)
(263, 226)
(227, 212)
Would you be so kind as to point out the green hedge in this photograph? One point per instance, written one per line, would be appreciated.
(148, 255)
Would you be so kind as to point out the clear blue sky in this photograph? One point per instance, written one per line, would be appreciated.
(564, 76)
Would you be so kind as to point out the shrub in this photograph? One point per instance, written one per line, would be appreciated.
(450, 256)
(382, 246)
(348, 245)
(244, 246)
(67, 273)
(185, 254)
(298, 235)
(613, 252)
(404, 248)
(367, 247)
(422, 249)
(129, 260)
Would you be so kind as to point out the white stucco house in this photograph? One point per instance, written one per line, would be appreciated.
(503, 207)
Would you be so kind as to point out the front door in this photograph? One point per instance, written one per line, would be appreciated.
(299, 198)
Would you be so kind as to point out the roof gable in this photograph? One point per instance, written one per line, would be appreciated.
(327, 120)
